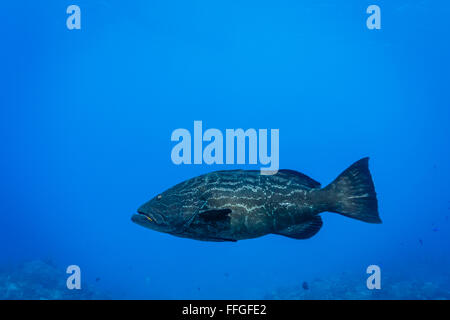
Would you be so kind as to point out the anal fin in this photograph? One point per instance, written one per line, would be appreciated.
(304, 230)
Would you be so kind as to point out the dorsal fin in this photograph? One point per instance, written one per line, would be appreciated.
(301, 178)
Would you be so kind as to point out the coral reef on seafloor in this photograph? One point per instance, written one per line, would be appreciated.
(354, 288)
(39, 280)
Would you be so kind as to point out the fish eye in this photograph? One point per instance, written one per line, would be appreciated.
(158, 197)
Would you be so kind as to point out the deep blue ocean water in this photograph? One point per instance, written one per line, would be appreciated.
(86, 117)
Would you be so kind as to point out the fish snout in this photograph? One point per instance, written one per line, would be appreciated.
(148, 217)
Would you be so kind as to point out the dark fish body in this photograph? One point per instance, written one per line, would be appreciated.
(242, 204)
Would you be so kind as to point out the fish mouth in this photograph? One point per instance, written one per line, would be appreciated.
(147, 217)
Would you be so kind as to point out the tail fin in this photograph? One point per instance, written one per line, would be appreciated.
(353, 193)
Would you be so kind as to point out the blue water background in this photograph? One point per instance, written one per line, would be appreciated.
(86, 118)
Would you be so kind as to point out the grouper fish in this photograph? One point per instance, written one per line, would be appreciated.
(233, 205)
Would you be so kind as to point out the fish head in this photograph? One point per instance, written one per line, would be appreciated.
(166, 212)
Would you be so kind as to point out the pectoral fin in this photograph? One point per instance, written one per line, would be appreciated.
(215, 215)
(303, 231)
(210, 224)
